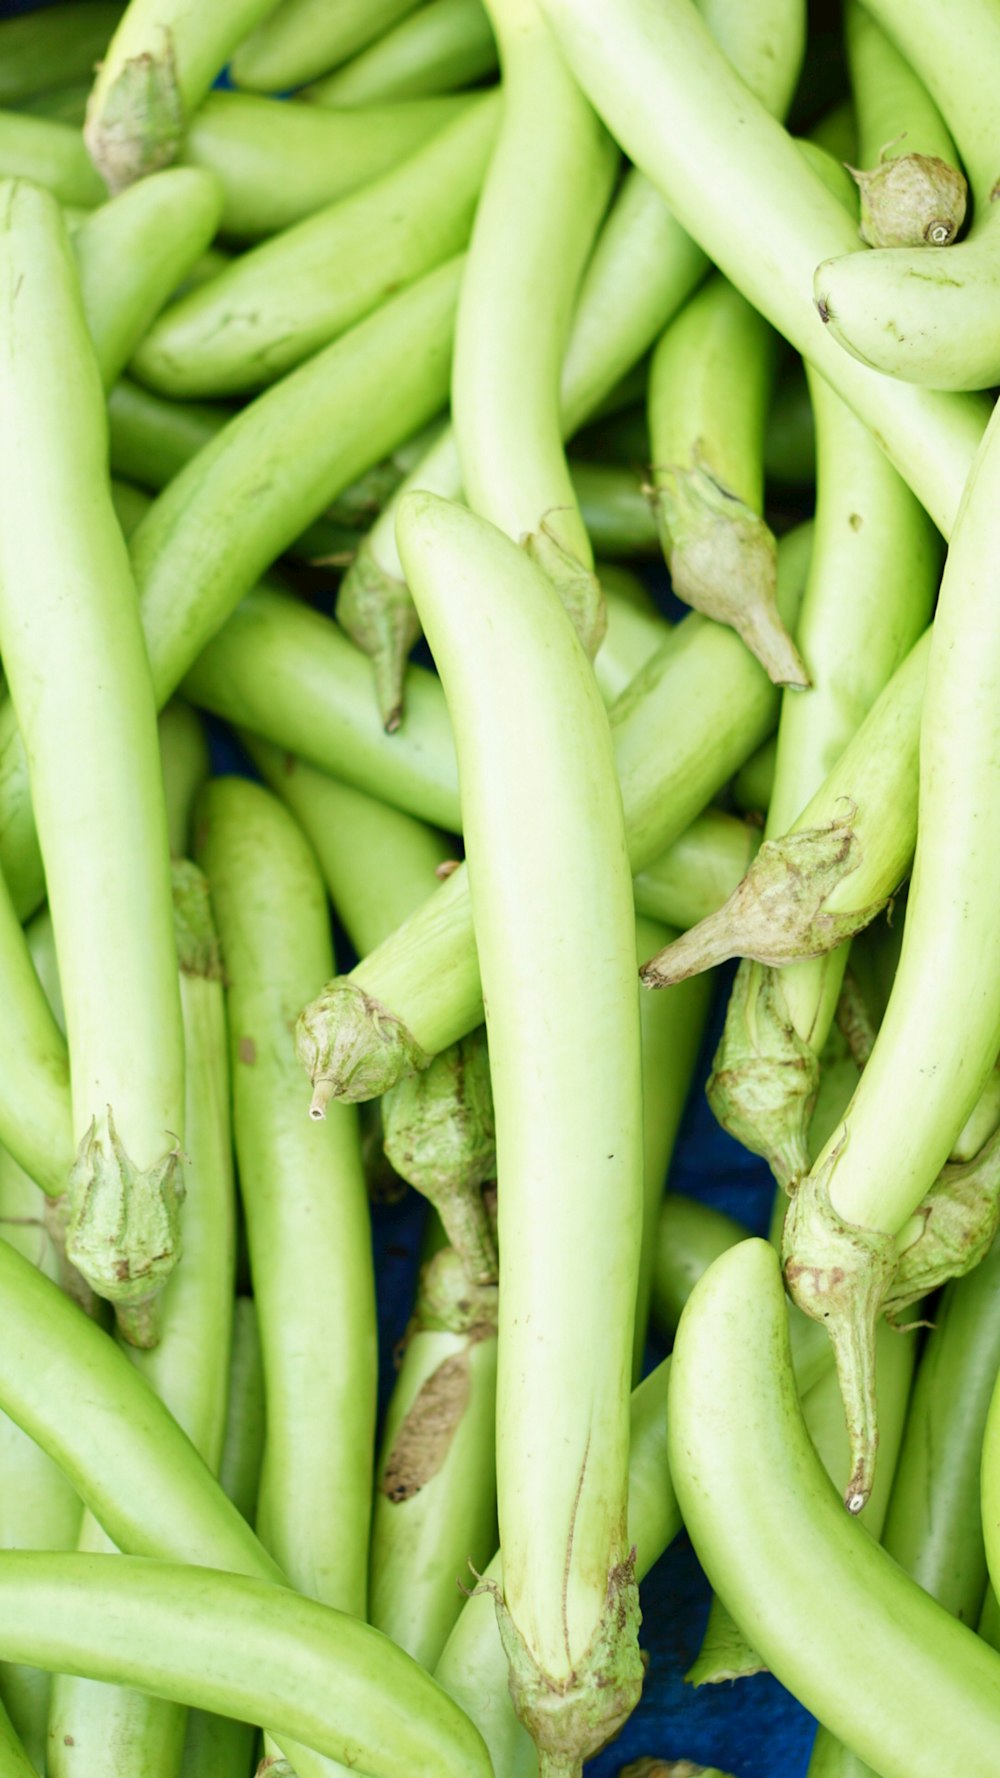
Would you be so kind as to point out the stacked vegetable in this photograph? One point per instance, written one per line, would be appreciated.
(287, 385)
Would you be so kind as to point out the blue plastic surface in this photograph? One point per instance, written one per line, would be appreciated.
(753, 1729)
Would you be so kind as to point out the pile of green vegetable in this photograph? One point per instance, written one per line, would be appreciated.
(440, 322)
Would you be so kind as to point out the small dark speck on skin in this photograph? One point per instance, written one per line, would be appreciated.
(611, 1157)
(247, 1051)
(823, 309)
(855, 521)
(68, 1741)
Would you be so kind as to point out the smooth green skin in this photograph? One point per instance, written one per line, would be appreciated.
(426, 1548)
(66, 104)
(444, 45)
(303, 38)
(152, 439)
(710, 383)
(790, 438)
(51, 154)
(378, 864)
(304, 1198)
(134, 251)
(895, 112)
(754, 782)
(238, 1646)
(243, 1445)
(933, 1528)
(35, 1118)
(68, 1386)
(634, 631)
(276, 305)
(279, 163)
(690, 1235)
(157, 69)
(941, 1031)
(956, 58)
(184, 753)
(698, 871)
(237, 505)
(697, 709)
(217, 526)
(38, 1507)
(93, 1726)
(923, 314)
(672, 1028)
(99, 807)
(766, 1522)
(547, 186)
(288, 674)
(217, 1747)
(766, 42)
(554, 859)
(873, 538)
(16, 1761)
(615, 509)
(41, 53)
(741, 186)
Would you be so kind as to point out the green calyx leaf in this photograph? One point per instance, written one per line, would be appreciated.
(840, 1274)
(379, 615)
(956, 1223)
(124, 1227)
(571, 1719)
(141, 119)
(765, 1077)
(440, 1135)
(198, 951)
(778, 913)
(352, 1047)
(910, 200)
(580, 591)
(449, 1300)
(723, 562)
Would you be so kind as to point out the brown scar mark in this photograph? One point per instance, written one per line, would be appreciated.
(246, 1049)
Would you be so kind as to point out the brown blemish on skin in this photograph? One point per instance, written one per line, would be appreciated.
(424, 1439)
(246, 1049)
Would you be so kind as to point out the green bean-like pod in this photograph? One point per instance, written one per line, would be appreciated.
(742, 187)
(44, 50)
(443, 45)
(158, 67)
(134, 251)
(765, 1521)
(279, 303)
(303, 38)
(615, 509)
(77, 668)
(709, 388)
(240, 1646)
(378, 864)
(912, 193)
(921, 1080)
(567, 1118)
(347, 407)
(547, 186)
(189, 1369)
(279, 163)
(68, 1386)
(693, 712)
(50, 154)
(304, 1198)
